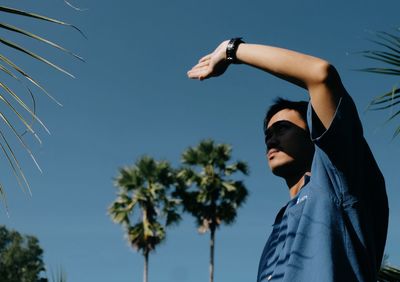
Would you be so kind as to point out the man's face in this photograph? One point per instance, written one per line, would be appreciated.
(289, 147)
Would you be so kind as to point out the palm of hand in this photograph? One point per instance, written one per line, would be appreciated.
(211, 65)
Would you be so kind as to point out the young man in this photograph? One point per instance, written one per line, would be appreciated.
(334, 226)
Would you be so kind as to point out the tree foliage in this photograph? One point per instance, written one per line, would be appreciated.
(145, 206)
(20, 257)
(208, 188)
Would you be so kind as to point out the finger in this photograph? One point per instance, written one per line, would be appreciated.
(199, 73)
(194, 74)
(199, 67)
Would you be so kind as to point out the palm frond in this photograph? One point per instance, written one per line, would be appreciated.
(391, 39)
(146, 186)
(396, 132)
(15, 72)
(28, 77)
(387, 46)
(22, 103)
(39, 17)
(389, 274)
(20, 117)
(74, 7)
(16, 167)
(393, 116)
(18, 136)
(388, 71)
(384, 57)
(214, 197)
(39, 38)
(34, 55)
(390, 105)
(388, 97)
(391, 56)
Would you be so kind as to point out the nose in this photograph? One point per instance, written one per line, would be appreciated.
(271, 141)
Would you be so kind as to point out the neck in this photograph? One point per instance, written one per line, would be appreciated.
(296, 183)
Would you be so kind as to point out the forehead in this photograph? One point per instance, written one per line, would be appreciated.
(290, 115)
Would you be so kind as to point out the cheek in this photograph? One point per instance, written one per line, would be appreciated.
(287, 138)
(295, 142)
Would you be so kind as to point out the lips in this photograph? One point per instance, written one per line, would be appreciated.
(271, 152)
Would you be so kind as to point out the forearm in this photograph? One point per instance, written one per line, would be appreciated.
(312, 73)
(303, 70)
(316, 75)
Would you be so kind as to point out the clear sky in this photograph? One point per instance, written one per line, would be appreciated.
(132, 97)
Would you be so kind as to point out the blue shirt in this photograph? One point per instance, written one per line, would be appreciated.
(335, 228)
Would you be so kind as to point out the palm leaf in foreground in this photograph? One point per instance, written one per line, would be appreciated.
(17, 106)
(389, 274)
(390, 55)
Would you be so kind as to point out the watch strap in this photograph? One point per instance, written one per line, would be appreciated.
(231, 49)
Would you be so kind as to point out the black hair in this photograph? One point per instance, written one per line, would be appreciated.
(281, 104)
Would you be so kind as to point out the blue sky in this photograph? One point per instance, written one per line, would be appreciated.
(132, 97)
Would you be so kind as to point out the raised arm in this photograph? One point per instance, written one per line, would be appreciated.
(316, 75)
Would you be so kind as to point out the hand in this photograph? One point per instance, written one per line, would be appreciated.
(211, 65)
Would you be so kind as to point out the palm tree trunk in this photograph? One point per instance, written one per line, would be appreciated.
(212, 245)
(146, 266)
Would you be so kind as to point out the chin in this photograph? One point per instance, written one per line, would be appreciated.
(282, 168)
(280, 171)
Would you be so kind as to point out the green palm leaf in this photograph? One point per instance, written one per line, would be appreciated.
(20, 140)
(21, 103)
(73, 7)
(28, 77)
(391, 56)
(34, 36)
(15, 72)
(383, 57)
(13, 161)
(37, 16)
(35, 56)
(388, 97)
(389, 274)
(207, 184)
(382, 71)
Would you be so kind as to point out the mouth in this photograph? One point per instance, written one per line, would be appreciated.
(271, 153)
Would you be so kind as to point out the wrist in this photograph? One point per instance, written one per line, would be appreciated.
(222, 49)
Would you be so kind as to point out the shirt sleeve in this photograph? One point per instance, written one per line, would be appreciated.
(344, 166)
(345, 121)
(341, 148)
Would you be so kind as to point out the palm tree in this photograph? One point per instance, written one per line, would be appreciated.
(389, 55)
(13, 102)
(144, 192)
(208, 190)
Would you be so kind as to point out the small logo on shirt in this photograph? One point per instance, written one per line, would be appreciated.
(303, 198)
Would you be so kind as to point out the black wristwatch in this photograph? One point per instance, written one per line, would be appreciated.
(231, 49)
